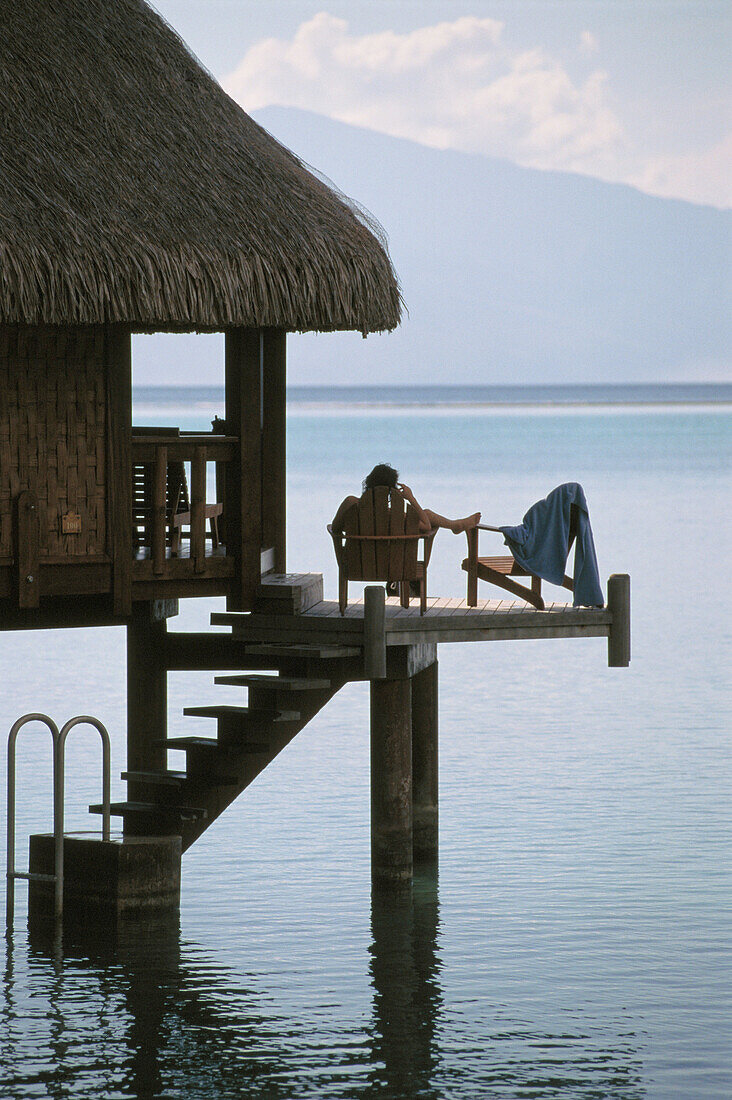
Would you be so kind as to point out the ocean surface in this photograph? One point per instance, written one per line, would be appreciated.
(575, 942)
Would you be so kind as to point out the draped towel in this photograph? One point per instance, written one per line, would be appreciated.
(540, 544)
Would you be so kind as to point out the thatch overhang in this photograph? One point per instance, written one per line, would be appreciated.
(133, 190)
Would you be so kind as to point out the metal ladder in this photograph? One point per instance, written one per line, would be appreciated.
(59, 758)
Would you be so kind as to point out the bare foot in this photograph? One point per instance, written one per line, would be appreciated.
(466, 523)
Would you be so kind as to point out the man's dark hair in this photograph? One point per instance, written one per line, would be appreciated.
(381, 475)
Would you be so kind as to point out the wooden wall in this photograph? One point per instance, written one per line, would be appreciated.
(52, 435)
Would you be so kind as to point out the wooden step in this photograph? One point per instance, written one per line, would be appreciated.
(167, 778)
(189, 743)
(151, 809)
(177, 779)
(289, 593)
(276, 683)
(194, 744)
(319, 652)
(244, 714)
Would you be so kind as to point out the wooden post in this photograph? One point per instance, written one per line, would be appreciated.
(198, 509)
(159, 511)
(243, 505)
(118, 363)
(274, 433)
(147, 695)
(472, 596)
(391, 782)
(424, 762)
(618, 602)
(374, 635)
(29, 589)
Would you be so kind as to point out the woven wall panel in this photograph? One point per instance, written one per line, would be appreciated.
(52, 434)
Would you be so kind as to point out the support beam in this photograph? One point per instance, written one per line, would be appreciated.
(243, 513)
(391, 782)
(618, 602)
(186, 651)
(147, 694)
(425, 763)
(274, 510)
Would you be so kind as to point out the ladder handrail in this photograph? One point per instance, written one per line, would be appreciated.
(58, 797)
(11, 873)
(59, 767)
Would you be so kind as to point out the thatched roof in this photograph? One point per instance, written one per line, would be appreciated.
(134, 190)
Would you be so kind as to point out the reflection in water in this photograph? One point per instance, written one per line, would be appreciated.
(407, 995)
(139, 1015)
(127, 1013)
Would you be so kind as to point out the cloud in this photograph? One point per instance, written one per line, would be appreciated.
(451, 85)
(459, 85)
(588, 44)
(703, 176)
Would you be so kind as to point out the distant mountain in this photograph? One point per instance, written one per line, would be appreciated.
(517, 275)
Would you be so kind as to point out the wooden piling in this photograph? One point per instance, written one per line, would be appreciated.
(147, 694)
(425, 763)
(618, 602)
(374, 632)
(391, 782)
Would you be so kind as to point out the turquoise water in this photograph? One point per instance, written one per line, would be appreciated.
(576, 941)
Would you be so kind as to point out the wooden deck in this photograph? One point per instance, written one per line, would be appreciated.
(446, 620)
(308, 651)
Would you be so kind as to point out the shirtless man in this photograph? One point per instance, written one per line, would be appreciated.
(428, 520)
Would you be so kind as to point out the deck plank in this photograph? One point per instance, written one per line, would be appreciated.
(446, 619)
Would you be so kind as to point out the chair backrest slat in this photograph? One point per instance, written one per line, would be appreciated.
(353, 546)
(411, 527)
(381, 527)
(396, 548)
(366, 527)
(381, 558)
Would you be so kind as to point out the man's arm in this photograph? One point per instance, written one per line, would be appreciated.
(340, 515)
(409, 496)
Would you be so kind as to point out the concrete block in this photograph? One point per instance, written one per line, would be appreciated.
(107, 879)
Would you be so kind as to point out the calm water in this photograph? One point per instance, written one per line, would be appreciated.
(576, 942)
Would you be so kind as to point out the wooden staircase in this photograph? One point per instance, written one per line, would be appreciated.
(301, 680)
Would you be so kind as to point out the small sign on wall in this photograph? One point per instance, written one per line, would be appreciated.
(71, 524)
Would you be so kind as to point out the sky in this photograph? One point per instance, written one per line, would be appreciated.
(632, 91)
(628, 91)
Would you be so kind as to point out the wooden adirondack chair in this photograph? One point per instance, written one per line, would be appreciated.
(501, 570)
(177, 499)
(380, 542)
(181, 517)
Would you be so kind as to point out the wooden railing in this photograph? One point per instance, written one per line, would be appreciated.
(170, 498)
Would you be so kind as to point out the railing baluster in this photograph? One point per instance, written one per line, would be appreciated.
(159, 504)
(198, 509)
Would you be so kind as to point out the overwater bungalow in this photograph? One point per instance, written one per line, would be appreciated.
(137, 197)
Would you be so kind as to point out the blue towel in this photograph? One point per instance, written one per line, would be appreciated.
(540, 544)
